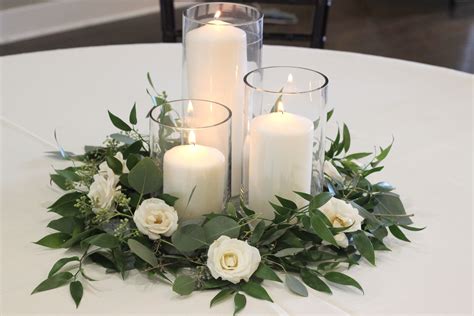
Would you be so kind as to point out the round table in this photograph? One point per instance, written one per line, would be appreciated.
(426, 109)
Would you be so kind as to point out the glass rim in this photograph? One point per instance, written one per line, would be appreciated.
(320, 87)
(225, 120)
(255, 20)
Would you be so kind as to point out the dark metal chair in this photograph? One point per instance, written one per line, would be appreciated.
(317, 37)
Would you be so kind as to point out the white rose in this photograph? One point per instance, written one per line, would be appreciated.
(232, 259)
(332, 172)
(342, 214)
(104, 168)
(154, 218)
(102, 191)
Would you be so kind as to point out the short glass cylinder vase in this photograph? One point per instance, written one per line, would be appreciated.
(285, 113)
(221, 43)
(190, 143)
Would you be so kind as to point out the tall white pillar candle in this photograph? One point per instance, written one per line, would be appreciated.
(280, 159)
(216, 63)
(198, 172)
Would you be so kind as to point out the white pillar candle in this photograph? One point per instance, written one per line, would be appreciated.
(280, 160)
(188, 168)
(216, 62)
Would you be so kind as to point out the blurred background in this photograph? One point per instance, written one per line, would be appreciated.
(437, 32)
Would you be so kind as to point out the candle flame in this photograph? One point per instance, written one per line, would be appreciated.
(192, 138)
(190, 108)
(279, 107)
(217, 14)
(290, 78)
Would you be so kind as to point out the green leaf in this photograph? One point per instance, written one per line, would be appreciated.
(189, 238)
(231, 210)
(306, 196)
(255, 290)
(169, 199)
(319, 200)
(398, 233)
(313, 281)
(55, 240)
(119, 259)
(287, 203)
(114, 164)
(76, 290)
(391, 205)
(61, 263)
(76, 238)
(357, 155)
(121, 138)
(133, 149)
(295, 285)
(329, 115)
(60, 181)
(383, 153)
(133, 115)
(364, 246)
(143, 252)
(184, 285)
(132, 160)
(383, 187)
(322, 230)
(266, 273)
(378, 244)
(222, 295)
(346, 136)
(119, 123)
(145, 177)
(239, 303)
(411, 228)
(53, 282)
(103, 240)
(257, 233)
(341, 278)
(288, 252)
(66, 209)
(221, 225)
(66, 199)
(67, 225)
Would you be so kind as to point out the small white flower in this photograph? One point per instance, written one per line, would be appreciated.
(103, 190)
(154, 218)
(342, 214)
(332, 172)
(104, 168)
(232, 259)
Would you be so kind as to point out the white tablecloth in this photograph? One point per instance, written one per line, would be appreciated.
(428, 110)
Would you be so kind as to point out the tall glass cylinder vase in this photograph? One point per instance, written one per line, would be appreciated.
(190, 142)
(285, 115)
(221, 43)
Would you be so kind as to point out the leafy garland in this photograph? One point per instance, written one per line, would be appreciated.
(307, 242)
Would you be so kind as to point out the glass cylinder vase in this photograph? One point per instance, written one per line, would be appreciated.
(221, 43)
(190, 141)
(285, 113)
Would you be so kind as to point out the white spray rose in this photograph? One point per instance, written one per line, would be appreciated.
(232, 259)
(103, 190)
(332, 172)
(154, 218)
(342, 214)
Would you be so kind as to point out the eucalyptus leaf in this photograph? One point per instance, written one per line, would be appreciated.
(288, 252)
(121, 138)
(145, 177)
(189, 238)
(257, 233)
(143, 252)
(219, 226)
(390, 204)
(103, 240)
(114, 164)
(295, 285)
(184, 285)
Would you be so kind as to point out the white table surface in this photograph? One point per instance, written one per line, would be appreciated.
(427, 109)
